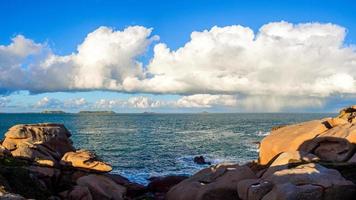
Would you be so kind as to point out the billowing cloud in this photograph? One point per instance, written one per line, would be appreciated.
(248, 103)
(206, 101)
(53, 103)
(12, 60)
(4, 101)
(139, 102)
(103, 61)
(284, 64)
(281, 59)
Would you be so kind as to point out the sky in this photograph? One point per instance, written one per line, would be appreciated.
(177, 56)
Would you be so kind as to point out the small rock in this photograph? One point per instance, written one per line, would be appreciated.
(200, 160)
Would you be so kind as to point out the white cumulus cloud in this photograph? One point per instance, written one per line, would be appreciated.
(53, 103)
(287, 65)
(281, 59)
(206, 101)
(4, 101)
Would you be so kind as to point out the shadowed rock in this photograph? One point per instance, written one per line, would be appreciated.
(102, 187)
(200, 160)
(216, 182)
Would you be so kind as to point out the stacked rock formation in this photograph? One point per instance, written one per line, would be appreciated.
(38, 161)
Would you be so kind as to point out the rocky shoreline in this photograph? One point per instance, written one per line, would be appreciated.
(311, 160)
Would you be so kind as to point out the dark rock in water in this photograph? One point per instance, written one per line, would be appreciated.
(200, 160)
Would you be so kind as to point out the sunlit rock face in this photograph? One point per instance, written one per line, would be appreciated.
(331, 139)
(42, 143)
(86, 160)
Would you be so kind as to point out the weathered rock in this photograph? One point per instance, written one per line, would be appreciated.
(333, 122)
(23, 181)
(289, 138)
(288, 191)
(348, 114)
(77, 193)
(200, 160)
(305, 181)
(331, 139)
(4, 152)
(86, 160)
(11, 196)
(284, 160)
(253, 189)
(38, 142)
(102, 187)
(216, 182)
(164, 184)
(133, 189)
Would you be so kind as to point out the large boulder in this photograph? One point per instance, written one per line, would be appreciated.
(164, 184)
(102, 187)
(305, 181)
(289, 138)
(77, 193)
(85, 159)
(213, 183)
(42, 143)
(330, 139)
(133, 189)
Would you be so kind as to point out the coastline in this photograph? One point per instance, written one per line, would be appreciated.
(45, 151)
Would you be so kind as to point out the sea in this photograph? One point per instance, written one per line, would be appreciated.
(140, 146)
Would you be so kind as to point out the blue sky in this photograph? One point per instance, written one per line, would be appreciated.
(63, 25)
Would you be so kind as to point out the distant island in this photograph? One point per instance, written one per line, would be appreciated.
(53, 112)
(96, 112)
(149, 112)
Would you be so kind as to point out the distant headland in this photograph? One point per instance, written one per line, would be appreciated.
(53, 112)
(96, 112)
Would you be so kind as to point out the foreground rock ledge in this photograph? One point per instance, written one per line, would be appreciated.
(313, 160)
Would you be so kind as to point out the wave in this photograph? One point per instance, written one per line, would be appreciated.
(263, 133)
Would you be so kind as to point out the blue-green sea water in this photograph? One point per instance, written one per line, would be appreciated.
(139, 146)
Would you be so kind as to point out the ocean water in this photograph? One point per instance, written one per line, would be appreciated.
(139, 146)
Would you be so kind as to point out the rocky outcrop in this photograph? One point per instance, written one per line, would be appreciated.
(217, 182)
(102, 187)
(295, 175)
(86, 160)
(330, 139)
(41, 143)
(38, 161)
(311, 160)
